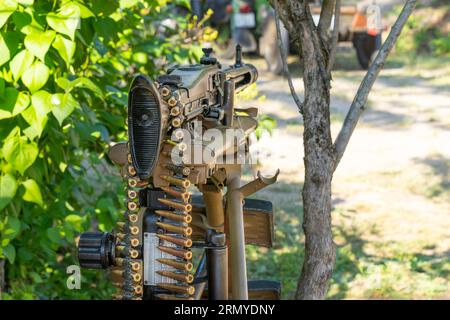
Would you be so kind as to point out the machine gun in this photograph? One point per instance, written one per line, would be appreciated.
(151, 254)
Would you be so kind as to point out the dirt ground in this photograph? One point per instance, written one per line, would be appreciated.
(391, 192)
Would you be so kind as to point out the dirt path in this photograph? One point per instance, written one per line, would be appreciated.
(391, 192)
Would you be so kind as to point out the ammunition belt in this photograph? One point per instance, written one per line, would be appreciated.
(169, 245)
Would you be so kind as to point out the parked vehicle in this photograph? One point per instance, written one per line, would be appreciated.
(250, 23)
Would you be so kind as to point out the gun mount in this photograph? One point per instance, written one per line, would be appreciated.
(150, 255)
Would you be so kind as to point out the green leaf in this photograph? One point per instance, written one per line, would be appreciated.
(32, 192)
(104, 7)
(21, 62)
(22, 102)
(7, 102)
(38, 42)
(82, 82)
(265, 123)
(10, 253)
(65, 48)
(63, 106)
(7, 8)
(75, 222)
(64, 84)
(26, 2)
(42, 102)
(12, 228)
(36, 76)
(36, 115)
(21, 19)
(12, 102)
(8, 188)
(107, 28)
(36, 121)
(33, 25)
(54, 235)
(4, 51)
(19, 153)
(65, 21)
(84, 11)
(35, 277)
(24, 254)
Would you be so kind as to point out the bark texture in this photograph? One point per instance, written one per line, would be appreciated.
(326, 16)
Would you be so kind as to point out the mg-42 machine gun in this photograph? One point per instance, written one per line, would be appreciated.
(176, 127)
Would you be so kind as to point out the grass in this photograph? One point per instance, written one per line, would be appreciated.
(432, 182)
(364, 269)
(437, 186)
(385, 269)
(371, 267)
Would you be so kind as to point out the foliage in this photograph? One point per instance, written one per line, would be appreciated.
(265, 123)
(365, 269)
(426, 32)
(64, 70)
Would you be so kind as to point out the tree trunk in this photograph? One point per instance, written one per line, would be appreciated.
(319, 162)
(321, 156)
(319, 247)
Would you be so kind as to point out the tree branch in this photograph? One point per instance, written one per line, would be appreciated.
(335, 37)
(358, 105)
(326, 15)
(284, 59)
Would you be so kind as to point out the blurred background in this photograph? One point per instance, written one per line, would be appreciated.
(391, 192)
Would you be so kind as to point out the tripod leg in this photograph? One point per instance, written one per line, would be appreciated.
(217, 261)
(235, 216)
(216, 250)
